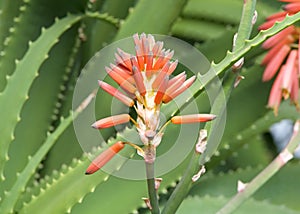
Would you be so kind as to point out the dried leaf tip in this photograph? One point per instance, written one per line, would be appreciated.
(202, 141)
(241, 186)
(104, 157)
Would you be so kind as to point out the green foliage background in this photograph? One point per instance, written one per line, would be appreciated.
(43, 47)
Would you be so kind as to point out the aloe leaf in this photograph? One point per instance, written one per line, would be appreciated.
(9, 11)
(198, 30)
(27, 26)
(95, 27)
(210, 205)
(43, 95)
(7, 206)
(146, 17)
(74, 183)
(281, 189)
(11, 100)
(228, 11)
(67, 143)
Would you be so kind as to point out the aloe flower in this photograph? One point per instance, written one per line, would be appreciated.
(282, 58)
(147, 83)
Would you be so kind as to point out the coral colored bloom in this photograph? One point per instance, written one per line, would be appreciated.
(147, 81)
(282, 60)
(104, 157)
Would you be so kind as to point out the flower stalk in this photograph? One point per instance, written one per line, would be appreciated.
(250, 188)
(149, 156)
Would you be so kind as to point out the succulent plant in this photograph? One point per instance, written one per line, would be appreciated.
(44, 49)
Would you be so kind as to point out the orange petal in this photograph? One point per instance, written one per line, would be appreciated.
(269, 23)
(145, 50)
(181, 76)
(292, 7)
(116, 93)
(295, 90)
(123, 72)
(111, 121)
(126, 85)
(176, 82)
(278, 37)
(277, 15)
(160, 76)
(161, 91)
(157, 48)
(104, 157)
(139, 80)
(168, 55)
(172, 94)
(299, 56)
(276, 93)
(125, 59)
(192, 118)
(149, 62)
(274, 50)
(159, 61)
(289, 71)
(172, 67)
(275, 63)
(289, 0)
(140, 58)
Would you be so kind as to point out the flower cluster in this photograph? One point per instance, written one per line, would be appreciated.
(147, 82)
(283, 58)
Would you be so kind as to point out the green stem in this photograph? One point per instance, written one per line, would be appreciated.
(151, 188)
(183, 187)
(149, 156)
(246, 24)
(265, 175)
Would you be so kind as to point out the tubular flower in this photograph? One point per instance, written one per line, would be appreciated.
(104, 157)
(283, 58)
(147, 81)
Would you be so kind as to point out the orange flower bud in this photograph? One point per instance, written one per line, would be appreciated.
(161, 91)
(275, 63)
(104, 157)
(292, 7)
(124, 83)
(192, 118)
(139, 80)
(170, 95)
(111, 121)
(116, 93)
